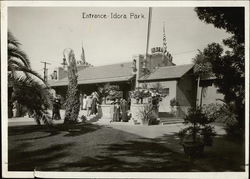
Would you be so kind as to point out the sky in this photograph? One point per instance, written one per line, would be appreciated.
(45, 32)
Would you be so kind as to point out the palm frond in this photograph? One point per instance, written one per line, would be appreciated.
(17, 53)
(202, 66)
(26, 70)
(12, 40)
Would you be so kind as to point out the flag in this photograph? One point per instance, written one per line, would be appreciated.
(164, 41)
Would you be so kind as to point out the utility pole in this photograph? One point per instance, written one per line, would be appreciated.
(45, 70)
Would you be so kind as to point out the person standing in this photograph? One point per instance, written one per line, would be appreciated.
(124, 110)
(81, 101)
(116, 115)
(89, 104)
(15, 109)
(84, 101)
(94, 104)
(56, 109)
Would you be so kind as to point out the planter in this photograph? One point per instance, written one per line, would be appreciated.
(105, 112)
(136, 109)
(193, 149)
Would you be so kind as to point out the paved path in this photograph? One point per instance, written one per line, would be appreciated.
(153, 131)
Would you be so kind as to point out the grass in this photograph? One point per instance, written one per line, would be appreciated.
(88, 147)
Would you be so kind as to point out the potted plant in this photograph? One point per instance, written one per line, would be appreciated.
(198, 133)
(148, 115)
(139, 94)
(107, 91)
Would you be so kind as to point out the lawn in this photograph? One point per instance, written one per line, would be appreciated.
(91, 147)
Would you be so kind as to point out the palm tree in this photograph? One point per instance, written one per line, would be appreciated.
(18, 61)
(202, 67)
(23, 84)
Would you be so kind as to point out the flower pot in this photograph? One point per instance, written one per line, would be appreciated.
(193, 149)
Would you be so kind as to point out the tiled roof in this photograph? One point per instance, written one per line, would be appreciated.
(100, 74)
(169, 72)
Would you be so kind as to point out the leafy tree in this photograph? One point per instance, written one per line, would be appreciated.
(229, 18)
(228, 67)
(72, 100)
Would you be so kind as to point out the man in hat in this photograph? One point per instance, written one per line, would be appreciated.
(56, 108)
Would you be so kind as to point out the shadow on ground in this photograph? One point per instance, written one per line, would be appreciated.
(140, 155)
(94, 148)
(49, 131)
(22, 159)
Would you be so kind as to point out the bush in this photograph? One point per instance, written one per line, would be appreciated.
(198, 127)
(224, 113)
(148, 114)
(83, 118)
(173, 102)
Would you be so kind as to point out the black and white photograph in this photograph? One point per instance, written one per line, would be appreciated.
(133, 89)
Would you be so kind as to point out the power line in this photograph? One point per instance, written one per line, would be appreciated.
(184, 52)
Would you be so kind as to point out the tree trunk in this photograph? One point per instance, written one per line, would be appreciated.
(201, 96)
(197, 96)
(72, 100)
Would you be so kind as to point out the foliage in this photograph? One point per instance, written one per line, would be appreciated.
(34, 96)
(212, 111)
(140, 93)
(148, 114)
(83, 118)
(174, 102)
(18, 61)
(224, 113)
(108, 91)
(198, 127)
(229, 18)
(157, 87)
(229, 68)
(202, 65)
(26, 90)
(72, 100)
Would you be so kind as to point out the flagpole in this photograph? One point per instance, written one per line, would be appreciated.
(145, 71)
(149, 28)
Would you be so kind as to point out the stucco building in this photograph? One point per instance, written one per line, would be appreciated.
(154, 69)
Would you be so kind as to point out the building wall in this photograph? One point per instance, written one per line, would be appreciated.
(156, 60)
(165, 103)
(186, 93)
(209, 94)
(153, 61)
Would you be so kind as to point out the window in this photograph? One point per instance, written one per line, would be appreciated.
(165, 91)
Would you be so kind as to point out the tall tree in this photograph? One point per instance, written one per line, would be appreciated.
(228, 67)
(202, 68)
(24, 86)
(72, 99)
(18, 61)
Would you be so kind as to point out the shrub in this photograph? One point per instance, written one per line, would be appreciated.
(148, 114)
(173, 102)
(83, 118)
(198, 127)
(224, 113)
